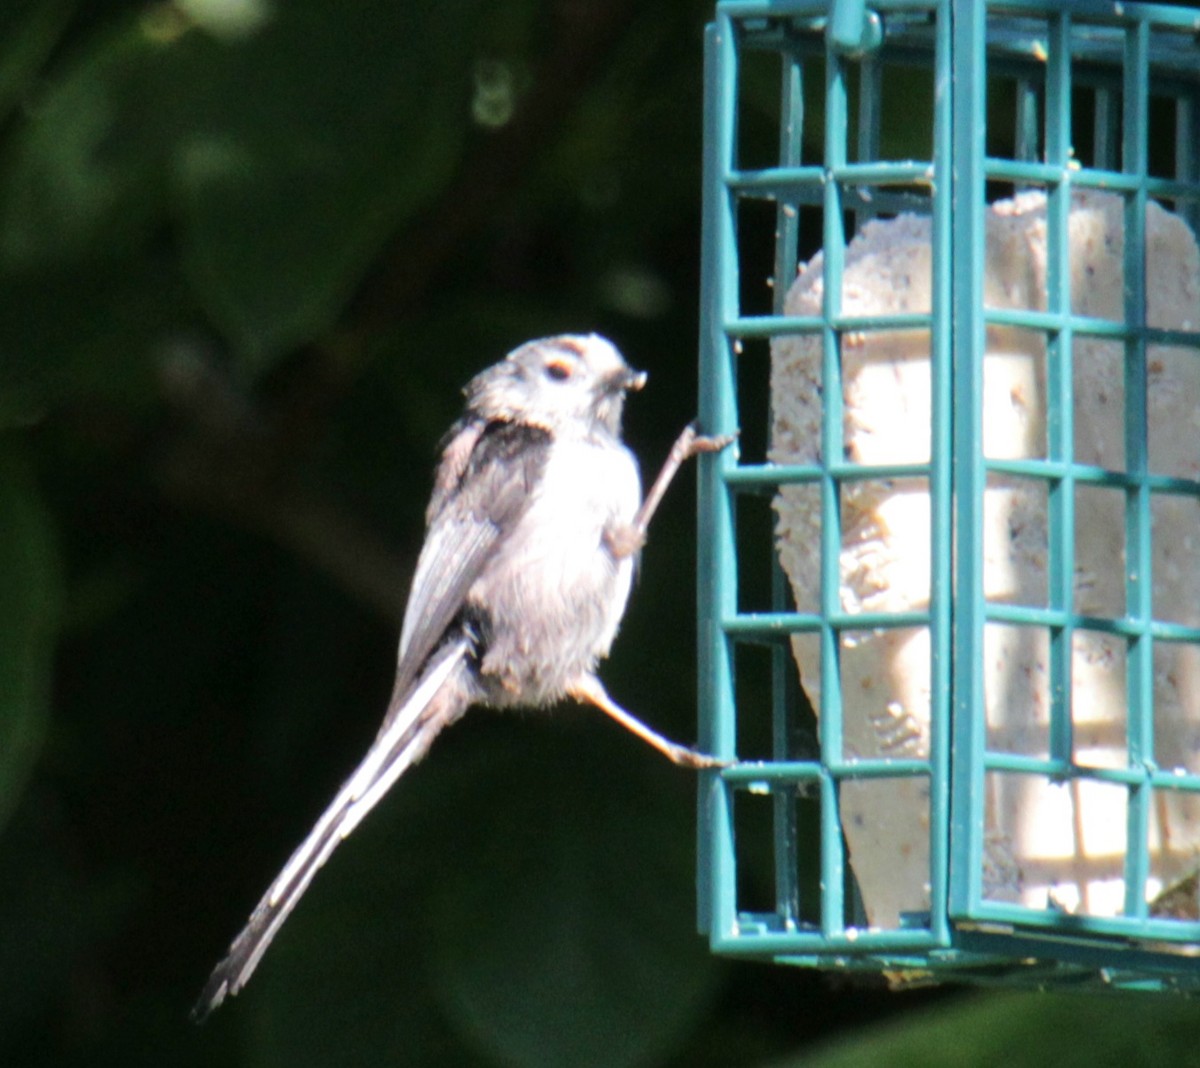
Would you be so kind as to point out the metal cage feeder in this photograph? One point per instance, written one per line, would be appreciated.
(949, 609)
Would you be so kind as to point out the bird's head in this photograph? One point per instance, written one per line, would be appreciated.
(565, 382)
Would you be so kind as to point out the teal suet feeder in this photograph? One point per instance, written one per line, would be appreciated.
(950, 603)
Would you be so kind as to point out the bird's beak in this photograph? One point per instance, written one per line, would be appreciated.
(634, 380)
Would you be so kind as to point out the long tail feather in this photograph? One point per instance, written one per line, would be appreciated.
(436, 701)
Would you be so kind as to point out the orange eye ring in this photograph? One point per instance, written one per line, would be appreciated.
(558, 370)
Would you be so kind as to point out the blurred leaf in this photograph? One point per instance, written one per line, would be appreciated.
(49, 915)
(288, 155)
(339, 989)
(29, 29)
(30, 598)
(227, 18)
(82, 295)
(83, 176)
(84, 332)
(306, 146)
(1056, 1030)
(578, 900)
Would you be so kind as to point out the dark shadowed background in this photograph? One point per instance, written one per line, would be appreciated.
(250, 250)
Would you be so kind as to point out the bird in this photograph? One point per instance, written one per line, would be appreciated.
(533, 531)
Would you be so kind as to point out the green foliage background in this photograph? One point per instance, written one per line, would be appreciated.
(249, 253)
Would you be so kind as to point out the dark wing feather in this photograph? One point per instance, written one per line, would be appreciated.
(482, 488)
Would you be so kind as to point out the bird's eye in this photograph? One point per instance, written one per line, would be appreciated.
(558, 371)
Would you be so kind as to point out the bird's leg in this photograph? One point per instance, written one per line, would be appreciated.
(627, 540)
(624, 541)
(590, 690)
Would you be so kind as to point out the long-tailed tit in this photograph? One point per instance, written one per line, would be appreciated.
(534, 526)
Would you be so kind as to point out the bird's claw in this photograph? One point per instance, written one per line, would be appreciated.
(698, 443)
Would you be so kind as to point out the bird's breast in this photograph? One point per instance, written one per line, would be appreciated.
(555, 593)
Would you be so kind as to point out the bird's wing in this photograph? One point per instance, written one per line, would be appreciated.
(437, 699)
(483, 486)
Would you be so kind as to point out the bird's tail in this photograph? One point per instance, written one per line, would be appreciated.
(438, 698)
